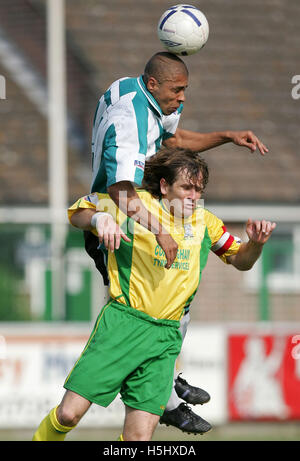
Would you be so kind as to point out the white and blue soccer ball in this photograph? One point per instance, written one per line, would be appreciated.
(183, 29)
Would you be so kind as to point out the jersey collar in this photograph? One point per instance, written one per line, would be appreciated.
(154, 104)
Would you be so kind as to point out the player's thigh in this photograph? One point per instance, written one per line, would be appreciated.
(71, 409)
(139, 425)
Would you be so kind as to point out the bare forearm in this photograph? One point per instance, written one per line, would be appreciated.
(247, 256)
(126, 198)
(82, 218)
(259, 233)
(198, 142)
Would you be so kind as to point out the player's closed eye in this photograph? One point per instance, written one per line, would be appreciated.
(189, 187)
(178, 90)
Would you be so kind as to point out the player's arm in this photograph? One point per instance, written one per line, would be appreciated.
(126, 198)
(109, 232)
(199, 142)
(259, 233)
(81, 218)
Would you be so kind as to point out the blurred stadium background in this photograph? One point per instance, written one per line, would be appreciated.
(243, 345)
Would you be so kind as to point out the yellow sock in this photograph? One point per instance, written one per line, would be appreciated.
(50, 429)
(120, 439)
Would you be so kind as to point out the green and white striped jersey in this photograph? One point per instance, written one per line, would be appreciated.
(129, 127)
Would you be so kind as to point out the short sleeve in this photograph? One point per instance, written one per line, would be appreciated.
(88, 201)
(98, 202)
(223, 244)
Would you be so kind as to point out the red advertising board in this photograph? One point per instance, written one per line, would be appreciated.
(264, 376)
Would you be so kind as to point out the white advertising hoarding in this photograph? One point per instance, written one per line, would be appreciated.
(33, 368)
(203, 364)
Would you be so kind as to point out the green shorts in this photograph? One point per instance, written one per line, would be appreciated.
(129, 353)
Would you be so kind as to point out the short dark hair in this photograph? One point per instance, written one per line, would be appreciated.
(159, 65)
(167, 163)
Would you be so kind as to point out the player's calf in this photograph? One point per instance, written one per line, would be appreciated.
(139, 425)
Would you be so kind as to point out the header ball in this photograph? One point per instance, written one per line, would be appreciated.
(183, 29)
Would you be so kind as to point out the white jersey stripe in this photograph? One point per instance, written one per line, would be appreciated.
(115, 92)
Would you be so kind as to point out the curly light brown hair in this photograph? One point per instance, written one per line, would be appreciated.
(167, 163)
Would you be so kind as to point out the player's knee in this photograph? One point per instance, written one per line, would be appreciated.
(67, 416)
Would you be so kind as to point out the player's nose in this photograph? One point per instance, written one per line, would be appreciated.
(181, 97)
(192, 194)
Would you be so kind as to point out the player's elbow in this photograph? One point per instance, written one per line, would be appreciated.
(74, 220)
(174, 141)
(114, 191)
(244, 266)
(121, 190)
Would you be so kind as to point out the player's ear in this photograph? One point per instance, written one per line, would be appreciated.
(163, 186)
(152, 84)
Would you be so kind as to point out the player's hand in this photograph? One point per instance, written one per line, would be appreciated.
(259, 232)
(248, 139)
(170, 247)
(109, 232)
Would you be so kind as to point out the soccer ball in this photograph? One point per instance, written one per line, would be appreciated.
(183, 29)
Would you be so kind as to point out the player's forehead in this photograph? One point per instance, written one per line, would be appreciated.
(189, 178)
(173, 71)
(176, 80)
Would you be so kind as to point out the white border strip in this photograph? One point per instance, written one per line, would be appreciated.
(30, 215)
(228, 213)
(241, 213)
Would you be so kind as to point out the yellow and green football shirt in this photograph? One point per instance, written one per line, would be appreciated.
(136, 270)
